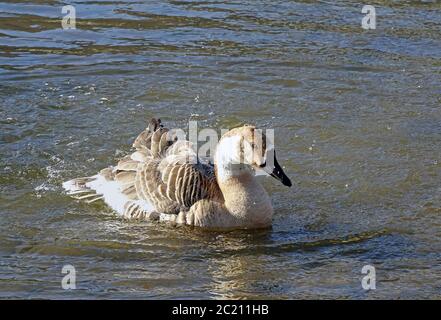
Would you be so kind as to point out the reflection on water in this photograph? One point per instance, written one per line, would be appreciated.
(357, 125)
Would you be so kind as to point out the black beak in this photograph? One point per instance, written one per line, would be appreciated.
(276, 171)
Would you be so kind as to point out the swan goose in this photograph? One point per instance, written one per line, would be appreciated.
(165, 180)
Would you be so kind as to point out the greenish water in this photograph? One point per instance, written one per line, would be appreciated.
(357, 123)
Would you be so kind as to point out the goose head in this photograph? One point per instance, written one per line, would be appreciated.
(247, 147)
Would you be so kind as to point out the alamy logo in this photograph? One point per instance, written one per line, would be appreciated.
(69, 20)
(69, 280)
(369, 280)
(369, 21)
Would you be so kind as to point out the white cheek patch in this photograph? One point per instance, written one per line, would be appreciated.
(248, 153)
(228, 158)
(228, 150)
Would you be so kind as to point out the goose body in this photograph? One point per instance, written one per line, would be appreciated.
(165, 180)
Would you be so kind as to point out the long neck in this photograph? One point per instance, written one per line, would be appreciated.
(244, 197)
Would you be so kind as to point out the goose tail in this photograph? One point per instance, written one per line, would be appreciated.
(116, 185)
(114, 188)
